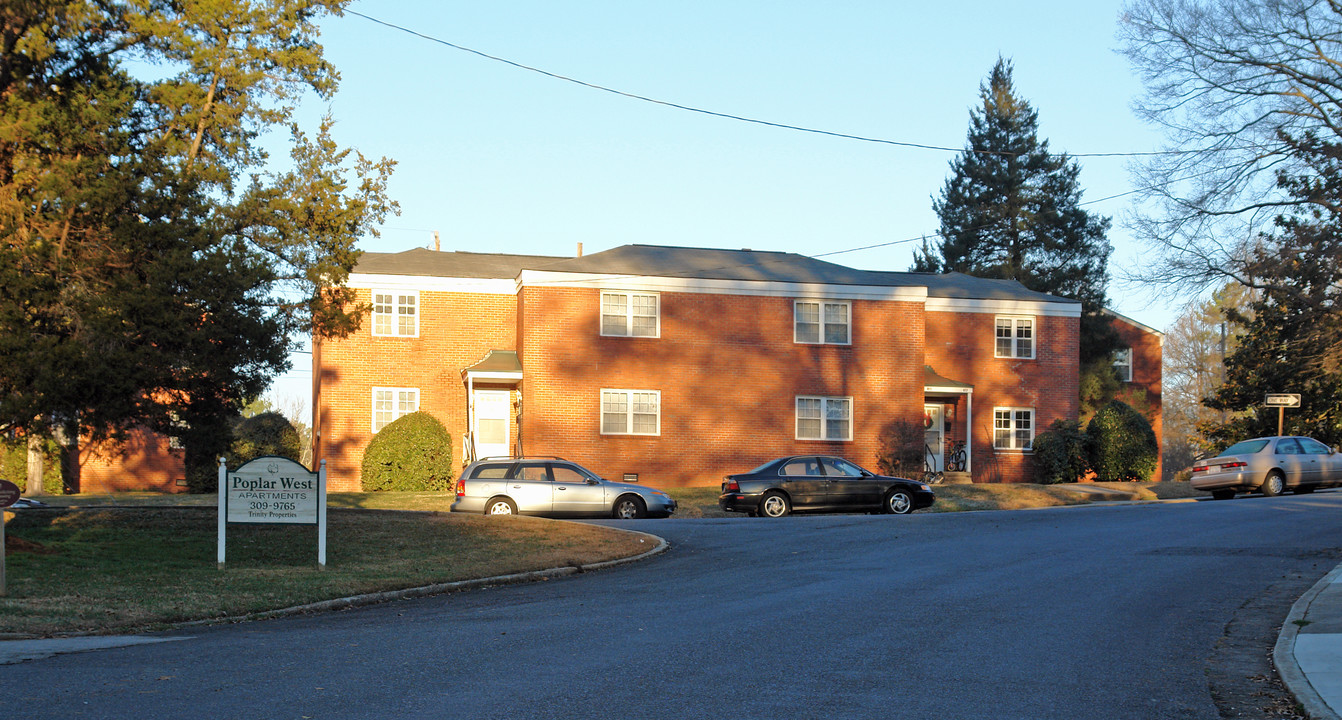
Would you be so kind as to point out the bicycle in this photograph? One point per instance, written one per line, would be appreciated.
(959, 457)
(930, 476)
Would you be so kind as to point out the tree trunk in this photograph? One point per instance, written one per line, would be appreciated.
(35, 466)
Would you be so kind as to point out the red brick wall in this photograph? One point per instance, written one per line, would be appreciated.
(1143, 393)
(728, 372)
(961, 346)
(145, 462)
(456, 330)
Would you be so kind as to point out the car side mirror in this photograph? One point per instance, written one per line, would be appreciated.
(590, 481)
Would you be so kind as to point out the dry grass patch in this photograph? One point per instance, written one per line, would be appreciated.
(121, 570)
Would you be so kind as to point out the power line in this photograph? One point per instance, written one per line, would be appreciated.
(728, 116)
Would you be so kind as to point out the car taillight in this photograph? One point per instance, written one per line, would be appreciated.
(1233, 465)
(461, 487)
(731, 486)
(1199, 468)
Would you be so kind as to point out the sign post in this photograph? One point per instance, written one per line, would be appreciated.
(1281, 401)
(9, 494)
(271, 490)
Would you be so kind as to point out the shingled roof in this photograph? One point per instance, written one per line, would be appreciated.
(700, 263)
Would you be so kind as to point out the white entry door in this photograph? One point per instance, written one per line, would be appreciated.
(491, 423)
(933, 436)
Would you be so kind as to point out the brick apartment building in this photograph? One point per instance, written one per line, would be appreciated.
(679, 365)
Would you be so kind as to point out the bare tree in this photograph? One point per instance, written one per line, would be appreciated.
(1238, 86)
(1195, 347)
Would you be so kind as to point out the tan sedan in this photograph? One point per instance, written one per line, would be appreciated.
(1270, 465)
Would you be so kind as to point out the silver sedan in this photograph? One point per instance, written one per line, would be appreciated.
(1270, 465)
(552, 487)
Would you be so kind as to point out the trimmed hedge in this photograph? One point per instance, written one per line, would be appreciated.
(1060, 453)
(1121, 444)
(412, 453)
(268, 433)
(901, 450)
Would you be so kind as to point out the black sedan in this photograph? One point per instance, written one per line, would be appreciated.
(818, 482)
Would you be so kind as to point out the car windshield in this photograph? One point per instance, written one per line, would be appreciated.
(1246, 447)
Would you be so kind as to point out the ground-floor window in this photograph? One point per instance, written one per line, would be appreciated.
(631, 412)
(824, 418)
(1013, 428)
(392, 403)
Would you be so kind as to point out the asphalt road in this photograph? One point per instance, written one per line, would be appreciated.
(1092, 612)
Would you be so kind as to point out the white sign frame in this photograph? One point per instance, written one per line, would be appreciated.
(1291, 400)
(272, 490)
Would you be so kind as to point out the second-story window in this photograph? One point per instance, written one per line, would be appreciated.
(1015, 337)
(629, 314)
(396, 313)
(817, 322)
(1123, 364)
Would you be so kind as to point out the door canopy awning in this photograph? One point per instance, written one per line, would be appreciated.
(934, 383)
(498, 366)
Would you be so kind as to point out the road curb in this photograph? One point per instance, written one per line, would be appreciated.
(1283, 654)
(437, 588)
(386, 596)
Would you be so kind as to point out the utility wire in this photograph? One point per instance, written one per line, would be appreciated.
(729, 116)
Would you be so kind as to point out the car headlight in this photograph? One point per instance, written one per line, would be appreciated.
(925, 487)
(661, 494)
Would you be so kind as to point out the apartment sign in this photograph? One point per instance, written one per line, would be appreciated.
(270, 490)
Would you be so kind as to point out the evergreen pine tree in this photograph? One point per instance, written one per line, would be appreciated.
(1012, 210)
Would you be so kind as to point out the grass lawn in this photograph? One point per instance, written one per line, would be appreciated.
(116, 570)
(134, 561)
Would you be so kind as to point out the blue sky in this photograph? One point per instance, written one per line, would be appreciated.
(500, 159)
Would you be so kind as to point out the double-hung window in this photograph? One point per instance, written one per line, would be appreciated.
(824, 418)
(631, 412)
(629, 314)
(1013, 428)
(822, 322)
(392, 403)
(1123, 364)
(396, 313)
(1015, 337)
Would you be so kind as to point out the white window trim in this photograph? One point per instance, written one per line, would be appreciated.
(825, 400)
(396, 398)
(629, 313)
(1034, 428)
(629, 412)
(395, 311)
(1123, 364)
(1015, 341)
(821, 303)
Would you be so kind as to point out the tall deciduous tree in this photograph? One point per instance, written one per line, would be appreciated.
(1245, 91)
(154, 262)
(1011, 209)
(1194, 348)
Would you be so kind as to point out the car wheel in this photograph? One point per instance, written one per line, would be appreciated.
(500, 506)
(629, 508)
(1223, 494)
(1304, 489)
(898, 502)
(1273, 484)
(774, 505)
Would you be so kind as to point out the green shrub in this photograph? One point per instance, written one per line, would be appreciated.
(412, 453)
(268, 433)
(1060, 453)
(900, 449)
(1121, 444)
(14, 465)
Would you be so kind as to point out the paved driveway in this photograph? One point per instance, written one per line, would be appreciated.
(1095, 612)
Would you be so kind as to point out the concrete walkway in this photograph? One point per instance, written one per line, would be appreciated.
(1309, 650)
